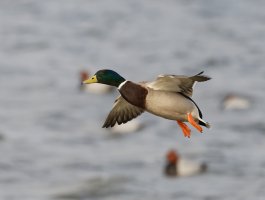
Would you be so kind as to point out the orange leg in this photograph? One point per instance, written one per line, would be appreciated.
(185, 129)
(193, 123)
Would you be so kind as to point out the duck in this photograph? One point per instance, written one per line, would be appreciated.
(235, 102)
(177, 166)
(168, 96)
(95, 88)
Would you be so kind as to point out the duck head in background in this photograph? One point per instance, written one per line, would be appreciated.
(177, 166)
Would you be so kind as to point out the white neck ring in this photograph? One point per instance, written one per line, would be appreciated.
(120, 86)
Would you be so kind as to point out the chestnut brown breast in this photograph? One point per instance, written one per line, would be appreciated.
(134, 93)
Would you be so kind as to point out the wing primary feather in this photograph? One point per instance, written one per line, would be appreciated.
(200, 78)
(199, 73)
(121, 112)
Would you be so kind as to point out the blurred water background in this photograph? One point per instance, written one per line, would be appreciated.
(52, 145)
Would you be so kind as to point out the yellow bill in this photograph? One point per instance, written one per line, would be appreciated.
(93, 79)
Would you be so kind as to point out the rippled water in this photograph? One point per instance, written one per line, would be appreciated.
(52, 145)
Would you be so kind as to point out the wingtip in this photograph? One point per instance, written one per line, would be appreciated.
(106, 125)
(207, 78)
(203, 77)
(200, 73)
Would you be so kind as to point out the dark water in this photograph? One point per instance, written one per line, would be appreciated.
(51, 142)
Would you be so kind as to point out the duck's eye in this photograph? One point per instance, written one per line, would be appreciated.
(92, 78)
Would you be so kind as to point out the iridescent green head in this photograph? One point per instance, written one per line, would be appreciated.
(106, 76)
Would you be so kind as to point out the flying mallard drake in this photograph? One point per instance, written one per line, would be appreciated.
(169, 96)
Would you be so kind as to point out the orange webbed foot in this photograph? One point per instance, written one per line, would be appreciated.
(185, 129)
(193, 123)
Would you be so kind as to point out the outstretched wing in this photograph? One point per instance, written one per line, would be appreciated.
(177, 83)
(122, 112)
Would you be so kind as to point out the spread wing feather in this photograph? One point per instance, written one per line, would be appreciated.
(122, 112)
(177, 83)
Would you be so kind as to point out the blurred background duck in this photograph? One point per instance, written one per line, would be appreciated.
(176, 166)
(235, 102)
(93, 88)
